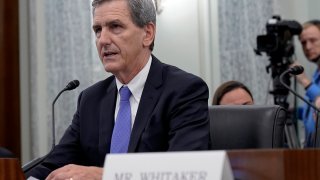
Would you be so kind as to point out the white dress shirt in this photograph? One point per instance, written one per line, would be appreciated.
(136, 86)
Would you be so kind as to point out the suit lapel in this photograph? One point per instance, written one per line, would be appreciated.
(106, 121)
(149, 98)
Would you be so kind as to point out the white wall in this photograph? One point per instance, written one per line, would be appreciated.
(185, 39)
(313, 10)
(32, 79)
(177, 38)
(24, 81)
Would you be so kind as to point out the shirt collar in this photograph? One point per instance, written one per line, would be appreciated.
(137, 83)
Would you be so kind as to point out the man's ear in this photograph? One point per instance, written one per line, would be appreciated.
(150, 32)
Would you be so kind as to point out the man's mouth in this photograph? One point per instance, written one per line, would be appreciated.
(109, 54)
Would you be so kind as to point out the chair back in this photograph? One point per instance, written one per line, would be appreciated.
(5, 153)
(247, 126)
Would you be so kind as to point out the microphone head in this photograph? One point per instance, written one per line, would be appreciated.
(72, 85)
(296, 70)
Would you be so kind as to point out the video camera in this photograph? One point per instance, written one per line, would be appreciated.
(278, 42)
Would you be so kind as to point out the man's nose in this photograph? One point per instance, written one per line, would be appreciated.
(104, 38)
(308, 45)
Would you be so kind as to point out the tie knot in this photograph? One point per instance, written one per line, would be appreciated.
(125, 93)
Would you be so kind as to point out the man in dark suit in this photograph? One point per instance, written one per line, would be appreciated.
(169, 107)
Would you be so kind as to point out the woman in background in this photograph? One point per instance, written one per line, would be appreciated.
(232, 93)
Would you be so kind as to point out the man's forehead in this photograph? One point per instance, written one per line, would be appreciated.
(110, 14)
(108, 7)
(310, 32)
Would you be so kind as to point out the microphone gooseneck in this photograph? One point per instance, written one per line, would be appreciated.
(296, 70)
(71, 85)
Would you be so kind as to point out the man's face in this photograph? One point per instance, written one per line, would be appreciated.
(119, 41)
(310, 41)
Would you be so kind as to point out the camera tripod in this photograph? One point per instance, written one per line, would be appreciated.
(280, 94)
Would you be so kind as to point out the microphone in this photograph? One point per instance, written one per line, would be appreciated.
(296, 70)
(71, 85)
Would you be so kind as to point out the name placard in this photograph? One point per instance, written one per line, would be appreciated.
(197, 165)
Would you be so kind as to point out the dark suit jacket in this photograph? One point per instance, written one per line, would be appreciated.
(172, 116)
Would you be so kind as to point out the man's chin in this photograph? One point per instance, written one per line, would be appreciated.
(316, 60)
(110, 69)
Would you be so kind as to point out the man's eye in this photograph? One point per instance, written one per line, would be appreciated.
(313, 41)
(97, 31)
(114, 26)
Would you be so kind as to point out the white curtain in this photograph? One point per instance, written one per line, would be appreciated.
(61, 49)
(240, 21)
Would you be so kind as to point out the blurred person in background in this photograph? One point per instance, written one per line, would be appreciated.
(232, 93)
(310, 41)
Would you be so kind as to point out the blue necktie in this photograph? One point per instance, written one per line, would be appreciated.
(122, 128)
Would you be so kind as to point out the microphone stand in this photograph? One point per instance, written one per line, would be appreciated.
(303, 99)
(71, 85)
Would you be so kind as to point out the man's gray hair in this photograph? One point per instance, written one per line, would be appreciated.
(142, 12)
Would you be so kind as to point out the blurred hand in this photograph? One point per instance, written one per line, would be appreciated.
(317, 104)
(302, 78)
(76, 172)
